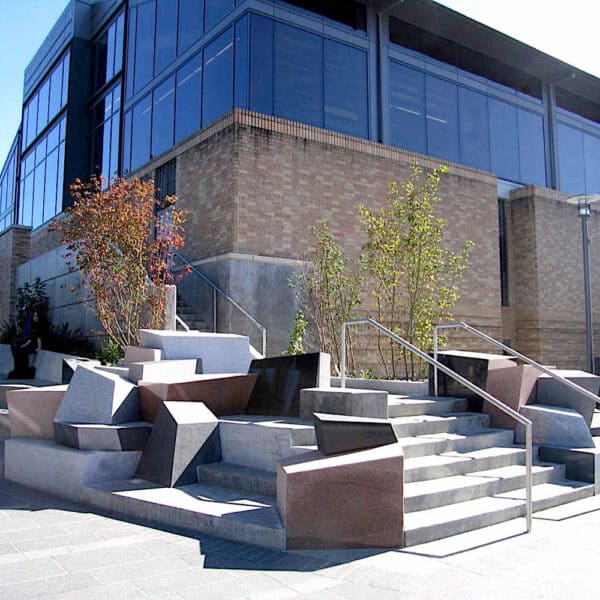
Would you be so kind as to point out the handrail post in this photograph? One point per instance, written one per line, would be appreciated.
(528, 467)
(214, 310)
(343, 357)
(435, 356)
(264, 342)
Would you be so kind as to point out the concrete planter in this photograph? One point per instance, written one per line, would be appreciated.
(395, 386)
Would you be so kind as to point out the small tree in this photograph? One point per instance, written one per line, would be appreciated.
(122, 248)
(329, 291)
(413, 277)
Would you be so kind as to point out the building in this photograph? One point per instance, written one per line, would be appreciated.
(265, 116)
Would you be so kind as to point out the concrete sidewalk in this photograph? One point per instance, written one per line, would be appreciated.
(54, 549)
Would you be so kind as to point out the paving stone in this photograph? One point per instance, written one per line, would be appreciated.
(135, 570)
(94, 559)
(58, 586)
(32, 569)
(118, 591)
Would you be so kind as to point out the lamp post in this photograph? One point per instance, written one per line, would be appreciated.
(583, 203)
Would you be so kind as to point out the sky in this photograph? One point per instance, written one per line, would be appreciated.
(565, 29)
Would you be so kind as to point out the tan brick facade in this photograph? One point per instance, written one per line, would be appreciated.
(14, 249)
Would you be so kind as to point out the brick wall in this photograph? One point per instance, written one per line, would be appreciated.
(14, 250)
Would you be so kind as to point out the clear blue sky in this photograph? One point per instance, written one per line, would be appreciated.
(565, 29)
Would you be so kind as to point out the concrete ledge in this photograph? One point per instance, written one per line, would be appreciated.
(343, 401)
(48, 467)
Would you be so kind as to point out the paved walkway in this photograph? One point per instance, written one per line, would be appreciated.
(54, 549)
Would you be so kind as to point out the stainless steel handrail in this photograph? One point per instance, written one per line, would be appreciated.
(462, 325)
(217, 290)
(182, 322)
(460, 379)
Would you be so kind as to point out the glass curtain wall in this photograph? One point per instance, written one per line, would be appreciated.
(8, 184)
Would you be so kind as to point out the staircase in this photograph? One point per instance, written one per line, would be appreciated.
(190, 317)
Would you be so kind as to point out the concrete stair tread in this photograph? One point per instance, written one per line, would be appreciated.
(239, 477)
(444, 521)
(400, 405)
(426, 424)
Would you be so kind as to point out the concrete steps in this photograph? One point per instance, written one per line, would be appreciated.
(446, 423)
(247, 479)
(409, 406)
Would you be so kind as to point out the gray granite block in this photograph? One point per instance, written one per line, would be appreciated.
(126, 436)
(344, 401)
(95, 396)
(552, 392)
(164, 370)
(184, 436)
(220, 352)
(555, 426)
(582, 464)
(338, 433)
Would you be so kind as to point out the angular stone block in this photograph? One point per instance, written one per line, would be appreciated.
(184, 436)
(515, 386)
(32, 411)
(473, 366)
(555, 393)
(222, 394)
(555, 426)
(352, 500)
(281, 378)
(582, 464)
(135, 354)
(6, 360)
(120, 371)
(61, 471)
(337, 433)
(164, 370)
(220, 352)
(50, 366)
(8, 387)
(83, 436)
(344, 401)
(71, 364)
(95, 396)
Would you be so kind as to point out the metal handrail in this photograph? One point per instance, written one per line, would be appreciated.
(462, 325)
(179, 320)
(460, 379)
(217, 290)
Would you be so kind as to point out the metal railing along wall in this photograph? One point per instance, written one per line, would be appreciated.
(462, 325)
(460, 379)
(218, 292)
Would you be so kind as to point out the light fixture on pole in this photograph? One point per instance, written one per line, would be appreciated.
(583, 203)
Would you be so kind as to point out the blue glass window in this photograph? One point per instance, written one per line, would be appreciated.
(591, 153)
(407, 104)
(38, 195)
(166, 34)
(144, 44)
(215, 10)
(474, 134)
(43, 100)
(218, 78)
(126, 158)
(298, 75)
(55, 92)
(191, 17)
(504, 140)
(105, 135)
(532, 148)
(570, 159)
(60, 179)
(131, 52)
(261, 65)
(346, 95)
(50, 187)
(32, 120)
(242, 64)
(188, 99)
(140, 132)
(119, 42)
(26, 211)
(442, 118)
(65, 78)
(163, 116)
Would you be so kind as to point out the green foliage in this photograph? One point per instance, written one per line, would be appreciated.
(329, 292)
(8, 332)
(110, 354)
(412, 276)
(32, 297)
(66, 341)
(296, 345)
(366, 374)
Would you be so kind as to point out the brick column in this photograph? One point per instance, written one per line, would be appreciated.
(15, 249)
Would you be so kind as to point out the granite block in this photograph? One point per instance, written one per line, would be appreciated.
(337, 434)
(344, 401)
(32, 411)
(515, 386)
(163, 370)
(552, 392)
(118, 438)
(220, 352)
(555, 426)
(225, 394)
(281, 378)
(6, 360)
(184, 436)
(69, 365)
(352, 500)
(95, 396)
(8, 387)
(582, 464)
(135, 354)
(50, 366)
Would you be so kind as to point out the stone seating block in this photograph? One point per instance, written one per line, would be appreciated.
(6, 360)
(32, 411)
(9, 387)
(58, 368)
(555, 393)
(515, 386)
(220, 352)
(338, 433)
(352, 500)
(135, 354)
(555, 426)
(225, 394)
(281, 378)
(95, 396)
(120, 371)
(344, 401)
(164, 370)
(184, 436)
(83, 436)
